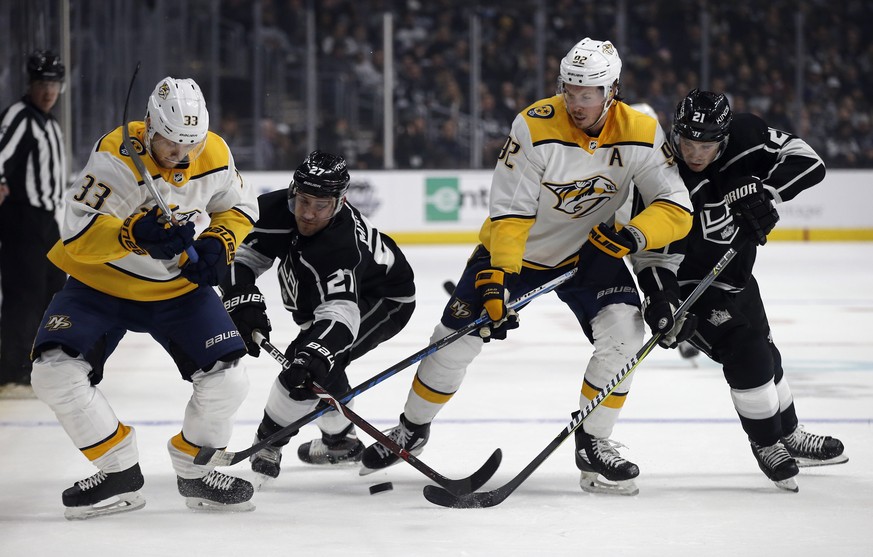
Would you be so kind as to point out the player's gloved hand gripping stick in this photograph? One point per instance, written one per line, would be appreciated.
(167, 214)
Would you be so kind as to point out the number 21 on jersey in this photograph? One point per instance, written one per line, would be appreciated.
(340, 282)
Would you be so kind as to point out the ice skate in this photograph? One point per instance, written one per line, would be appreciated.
(603, 469)
(104, 493)
(777, 464)
(266, 462)
(341, 448)
(409, 436)
(217, 492)
(809, 449)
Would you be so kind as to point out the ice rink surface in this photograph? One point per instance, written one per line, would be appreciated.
(701, 492)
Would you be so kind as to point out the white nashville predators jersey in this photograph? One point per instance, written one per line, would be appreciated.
(209, 192)
(553, 183)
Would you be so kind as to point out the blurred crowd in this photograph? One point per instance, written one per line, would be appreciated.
(753, 57)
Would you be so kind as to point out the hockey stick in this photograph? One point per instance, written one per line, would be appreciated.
(146, 177)
(464, 485)
(222, 457)
(496, 496)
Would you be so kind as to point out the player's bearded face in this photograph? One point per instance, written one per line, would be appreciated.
(170, 154)
(313, 213)
(584, 104)
(698, 154)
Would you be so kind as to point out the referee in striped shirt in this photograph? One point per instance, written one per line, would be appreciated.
(32, 183)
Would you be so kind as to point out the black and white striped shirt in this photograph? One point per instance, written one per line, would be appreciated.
(32, 156)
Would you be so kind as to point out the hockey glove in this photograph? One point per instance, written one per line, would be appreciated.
(752, 208)
(658, 311)
(611, 242)
(309, 364)
(216, 248)
(607, 246)
(248, 309)
(146, 233)
(493, 295)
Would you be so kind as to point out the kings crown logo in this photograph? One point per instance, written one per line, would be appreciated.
(719, 317)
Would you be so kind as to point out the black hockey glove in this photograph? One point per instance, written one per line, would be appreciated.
(248, 309)
(752, 208)
(145, 234)
(493, 295)
(658, 311)
(309, 364)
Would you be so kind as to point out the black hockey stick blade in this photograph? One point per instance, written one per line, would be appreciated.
(223, 457)
(456, 487)
(494, 497)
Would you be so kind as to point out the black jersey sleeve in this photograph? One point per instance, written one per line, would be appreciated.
(785, 163)
(268, 240)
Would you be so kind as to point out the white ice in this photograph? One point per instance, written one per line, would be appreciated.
(701, 492)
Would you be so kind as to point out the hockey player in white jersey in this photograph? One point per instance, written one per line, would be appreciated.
(128, 272)
(567, 166)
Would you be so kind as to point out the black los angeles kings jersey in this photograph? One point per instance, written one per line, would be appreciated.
(323, 277)
(785, 164)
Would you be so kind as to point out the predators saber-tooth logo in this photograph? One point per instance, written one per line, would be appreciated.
(58, 322)
(582, 197)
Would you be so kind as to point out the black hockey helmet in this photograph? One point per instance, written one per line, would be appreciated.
(322, 174)
(702, 116)
(45, 65)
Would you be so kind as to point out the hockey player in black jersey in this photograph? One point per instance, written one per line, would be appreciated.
(737, 169)
(348, 287)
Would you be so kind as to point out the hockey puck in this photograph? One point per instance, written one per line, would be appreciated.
(379, 488)
(449, 287)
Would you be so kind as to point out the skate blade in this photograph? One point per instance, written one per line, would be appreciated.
(789, 484)
(812, 463)
(592, 482)
(262, 480)
(126, 502)
(205, 505)
(333, 462)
